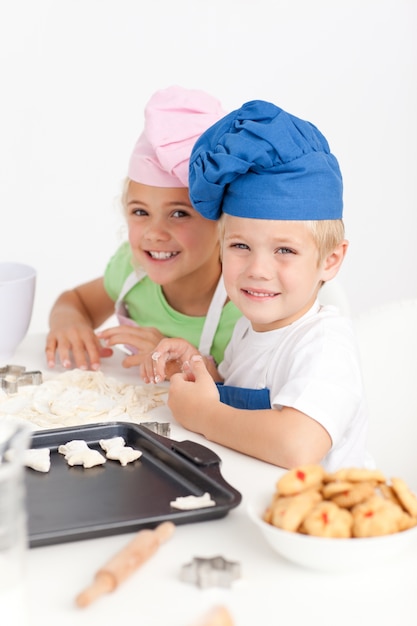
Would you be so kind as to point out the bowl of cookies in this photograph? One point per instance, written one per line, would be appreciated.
(349, 519)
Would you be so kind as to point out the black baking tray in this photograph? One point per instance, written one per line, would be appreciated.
(73, 503)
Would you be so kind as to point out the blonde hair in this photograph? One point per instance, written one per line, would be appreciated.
(123, 195)
(327, 234)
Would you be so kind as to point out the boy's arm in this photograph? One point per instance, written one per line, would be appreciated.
(286, 437)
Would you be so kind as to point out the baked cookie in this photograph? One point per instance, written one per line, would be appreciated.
(289, 511)
(357, 474)
(351, 502)
(406, 497)
(326, 519)
(299, 479)
(334, 488)
(267, 516)
(375, 517)
(407, 521)
(356, 493)
(388, 492)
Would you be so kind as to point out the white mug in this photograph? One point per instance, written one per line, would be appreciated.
(17, 294)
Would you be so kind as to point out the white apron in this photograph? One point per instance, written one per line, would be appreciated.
(211, 322)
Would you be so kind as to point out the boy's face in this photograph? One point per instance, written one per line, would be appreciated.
(271, 269)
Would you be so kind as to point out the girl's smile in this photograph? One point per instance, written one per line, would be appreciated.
(161, 256)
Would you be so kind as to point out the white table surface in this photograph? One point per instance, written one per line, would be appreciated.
(270, 590)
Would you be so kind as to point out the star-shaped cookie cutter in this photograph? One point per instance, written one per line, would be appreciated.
(14, 376)
(210, 572)
(160, 428)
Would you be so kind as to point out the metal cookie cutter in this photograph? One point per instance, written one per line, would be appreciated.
(210, 572)
(14, 376)
(160, 428)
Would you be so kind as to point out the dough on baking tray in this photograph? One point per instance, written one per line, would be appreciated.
(116, 450)
(113, 442)
(187, 503)
(77, 452)
(38, 459)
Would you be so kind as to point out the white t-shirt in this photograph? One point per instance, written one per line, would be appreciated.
(313, 366)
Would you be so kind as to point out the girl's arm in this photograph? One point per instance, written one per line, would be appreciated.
(73, 318)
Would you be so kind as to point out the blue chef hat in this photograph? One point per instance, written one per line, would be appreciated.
(261, 162)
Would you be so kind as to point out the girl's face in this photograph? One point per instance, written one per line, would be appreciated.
(169, 239)
(271, 269)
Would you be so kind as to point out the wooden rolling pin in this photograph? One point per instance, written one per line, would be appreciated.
(219, 616)
(115, 571)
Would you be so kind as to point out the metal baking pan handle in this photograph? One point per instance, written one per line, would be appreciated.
(196, 453)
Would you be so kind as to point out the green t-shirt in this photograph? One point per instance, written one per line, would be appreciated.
(148, 307)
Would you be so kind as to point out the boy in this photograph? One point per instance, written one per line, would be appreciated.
(292, 391)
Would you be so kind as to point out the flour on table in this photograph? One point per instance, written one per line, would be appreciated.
(80, 397)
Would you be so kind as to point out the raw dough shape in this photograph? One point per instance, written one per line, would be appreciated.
(108, 444)
(77, 452)
(116, 450)
(124, 455)
(187, 503)
(38, 459)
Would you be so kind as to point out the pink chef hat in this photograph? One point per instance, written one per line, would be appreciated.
(174, 119)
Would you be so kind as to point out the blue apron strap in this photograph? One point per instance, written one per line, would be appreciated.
(243, 398)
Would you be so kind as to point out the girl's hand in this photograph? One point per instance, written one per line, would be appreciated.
(143, 338)
(75, 345)
(73, 318)
(169, 356)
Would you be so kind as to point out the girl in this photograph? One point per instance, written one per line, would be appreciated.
(166, 279)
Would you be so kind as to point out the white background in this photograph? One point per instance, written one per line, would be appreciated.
(76, 74)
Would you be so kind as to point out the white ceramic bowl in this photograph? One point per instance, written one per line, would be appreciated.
(325, 554)
(17, 293)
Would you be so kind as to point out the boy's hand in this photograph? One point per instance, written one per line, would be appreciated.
(189, 392)
(168, 356)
